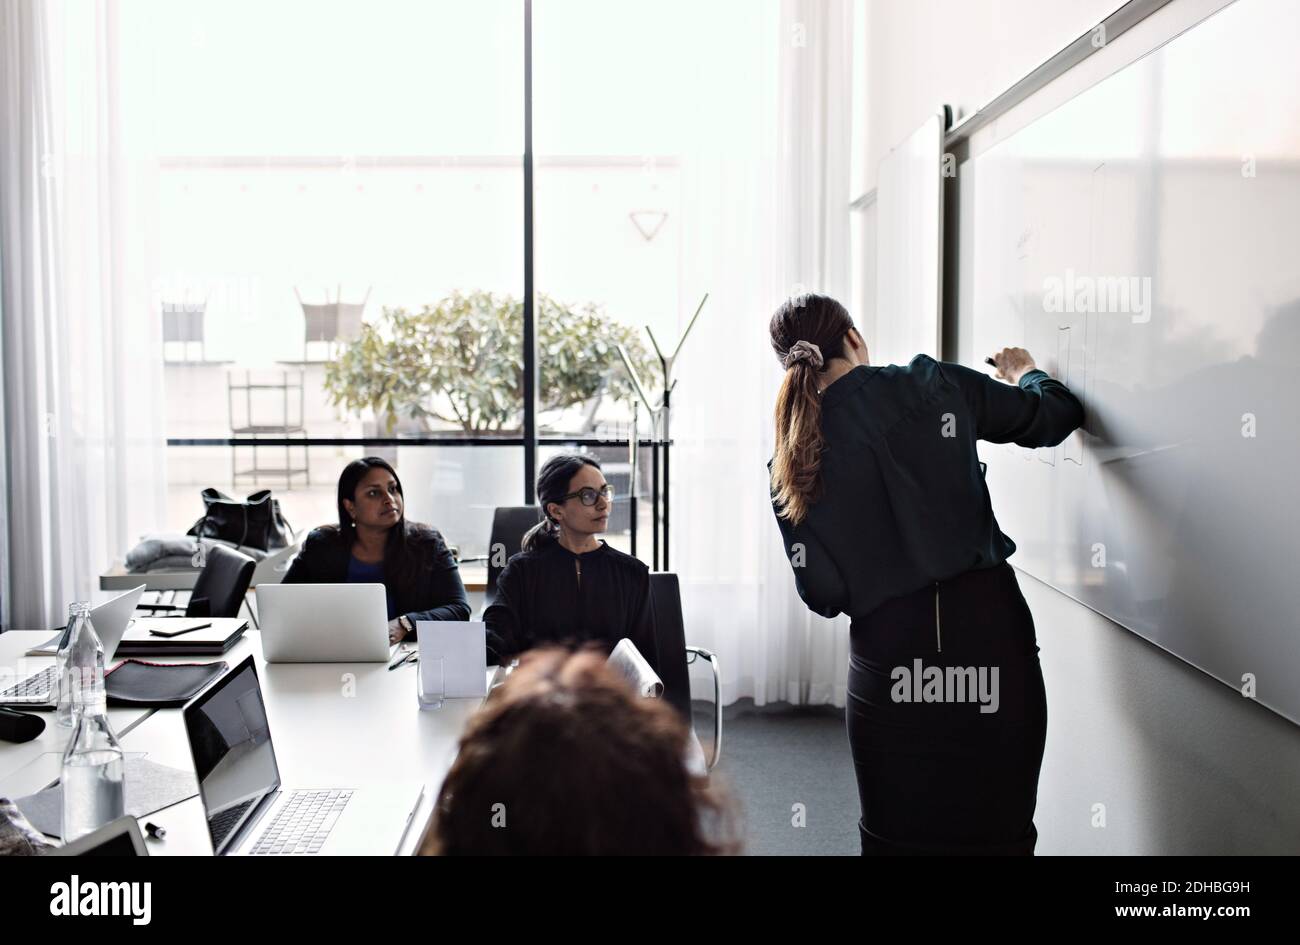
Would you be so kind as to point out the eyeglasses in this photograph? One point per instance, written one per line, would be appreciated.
(589, 495)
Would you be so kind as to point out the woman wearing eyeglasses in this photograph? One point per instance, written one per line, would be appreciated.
(567, 585)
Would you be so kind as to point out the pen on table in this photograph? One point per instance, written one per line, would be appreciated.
(154, 830)
(175, 633)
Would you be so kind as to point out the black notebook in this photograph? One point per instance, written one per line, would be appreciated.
(159, 685)
(213, 640)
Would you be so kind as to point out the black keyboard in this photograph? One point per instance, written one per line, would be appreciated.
(221, 824)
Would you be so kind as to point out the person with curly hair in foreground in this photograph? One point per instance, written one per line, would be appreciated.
(565, 759)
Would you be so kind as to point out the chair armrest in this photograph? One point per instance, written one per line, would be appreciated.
(697, 652)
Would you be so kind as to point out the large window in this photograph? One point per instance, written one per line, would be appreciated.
(333, 178)
(340, 210)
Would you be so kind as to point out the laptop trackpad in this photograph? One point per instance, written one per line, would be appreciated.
(373, 822)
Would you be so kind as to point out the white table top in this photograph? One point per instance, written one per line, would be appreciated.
(333, 725)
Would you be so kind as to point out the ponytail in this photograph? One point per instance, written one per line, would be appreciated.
(540, 535)
(796, 465)
(802, 328)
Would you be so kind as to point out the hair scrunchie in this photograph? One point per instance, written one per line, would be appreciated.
(804, 351)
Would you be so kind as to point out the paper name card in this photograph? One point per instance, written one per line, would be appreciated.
(453, 655)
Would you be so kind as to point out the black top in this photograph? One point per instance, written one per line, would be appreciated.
(541, 599)
(434, 593)
(904, 502)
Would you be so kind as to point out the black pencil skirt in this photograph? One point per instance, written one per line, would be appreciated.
(947, 718)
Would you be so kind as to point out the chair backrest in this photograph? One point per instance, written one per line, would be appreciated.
(183, 321)
(221, 585)
(321, 322)
(670, 640)
(509, 524)
(350, 317)
(332, 321)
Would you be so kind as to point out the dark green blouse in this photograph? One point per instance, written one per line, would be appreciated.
(904, 502)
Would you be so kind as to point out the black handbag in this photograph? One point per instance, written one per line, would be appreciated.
(254, 522)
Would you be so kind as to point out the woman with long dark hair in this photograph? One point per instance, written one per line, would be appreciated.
(373, 543)
(564, 759)
(566, 585)
(881, 502)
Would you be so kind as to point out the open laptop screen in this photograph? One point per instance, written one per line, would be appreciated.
(234, 760)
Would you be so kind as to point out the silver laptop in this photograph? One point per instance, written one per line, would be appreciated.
(110, 619)
(248, 812)
(323, 623)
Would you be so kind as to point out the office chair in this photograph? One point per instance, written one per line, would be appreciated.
(220, 588)
(675, 657)
(509, 523)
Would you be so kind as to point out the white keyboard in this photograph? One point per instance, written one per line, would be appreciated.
(37, 688)
(302, 824)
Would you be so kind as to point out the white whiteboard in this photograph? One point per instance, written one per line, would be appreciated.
(1176, 513)
(909, 246)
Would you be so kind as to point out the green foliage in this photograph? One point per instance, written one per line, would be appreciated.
(461, 361)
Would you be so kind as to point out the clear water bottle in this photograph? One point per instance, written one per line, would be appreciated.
(93, 767)
(78, 614)
(94, 776)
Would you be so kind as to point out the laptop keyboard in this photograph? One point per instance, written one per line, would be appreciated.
(303, 823)
(221, 825)
(38, 687)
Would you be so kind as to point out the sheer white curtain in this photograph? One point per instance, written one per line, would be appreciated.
(82, 351)
(767, 196)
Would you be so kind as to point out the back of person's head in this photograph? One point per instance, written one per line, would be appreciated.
(552, 486)
(807, 332)
(565, 759)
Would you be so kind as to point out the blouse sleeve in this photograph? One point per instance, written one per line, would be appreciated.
(1039, 411)
(816, 577)
(504, 633)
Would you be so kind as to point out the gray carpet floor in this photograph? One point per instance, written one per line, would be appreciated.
(779, 756)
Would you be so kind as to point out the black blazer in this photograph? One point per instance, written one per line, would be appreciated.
(434, 593)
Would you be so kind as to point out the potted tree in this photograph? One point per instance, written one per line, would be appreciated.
(457, 365)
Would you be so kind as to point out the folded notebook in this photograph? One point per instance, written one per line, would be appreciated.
(158, 685)
(627, 660)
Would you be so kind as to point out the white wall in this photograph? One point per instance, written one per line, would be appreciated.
(925, 53)
(1182, 763)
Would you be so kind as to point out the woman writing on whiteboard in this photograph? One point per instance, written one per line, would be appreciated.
(885, 517)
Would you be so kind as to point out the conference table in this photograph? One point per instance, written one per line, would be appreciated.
(333, 725)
